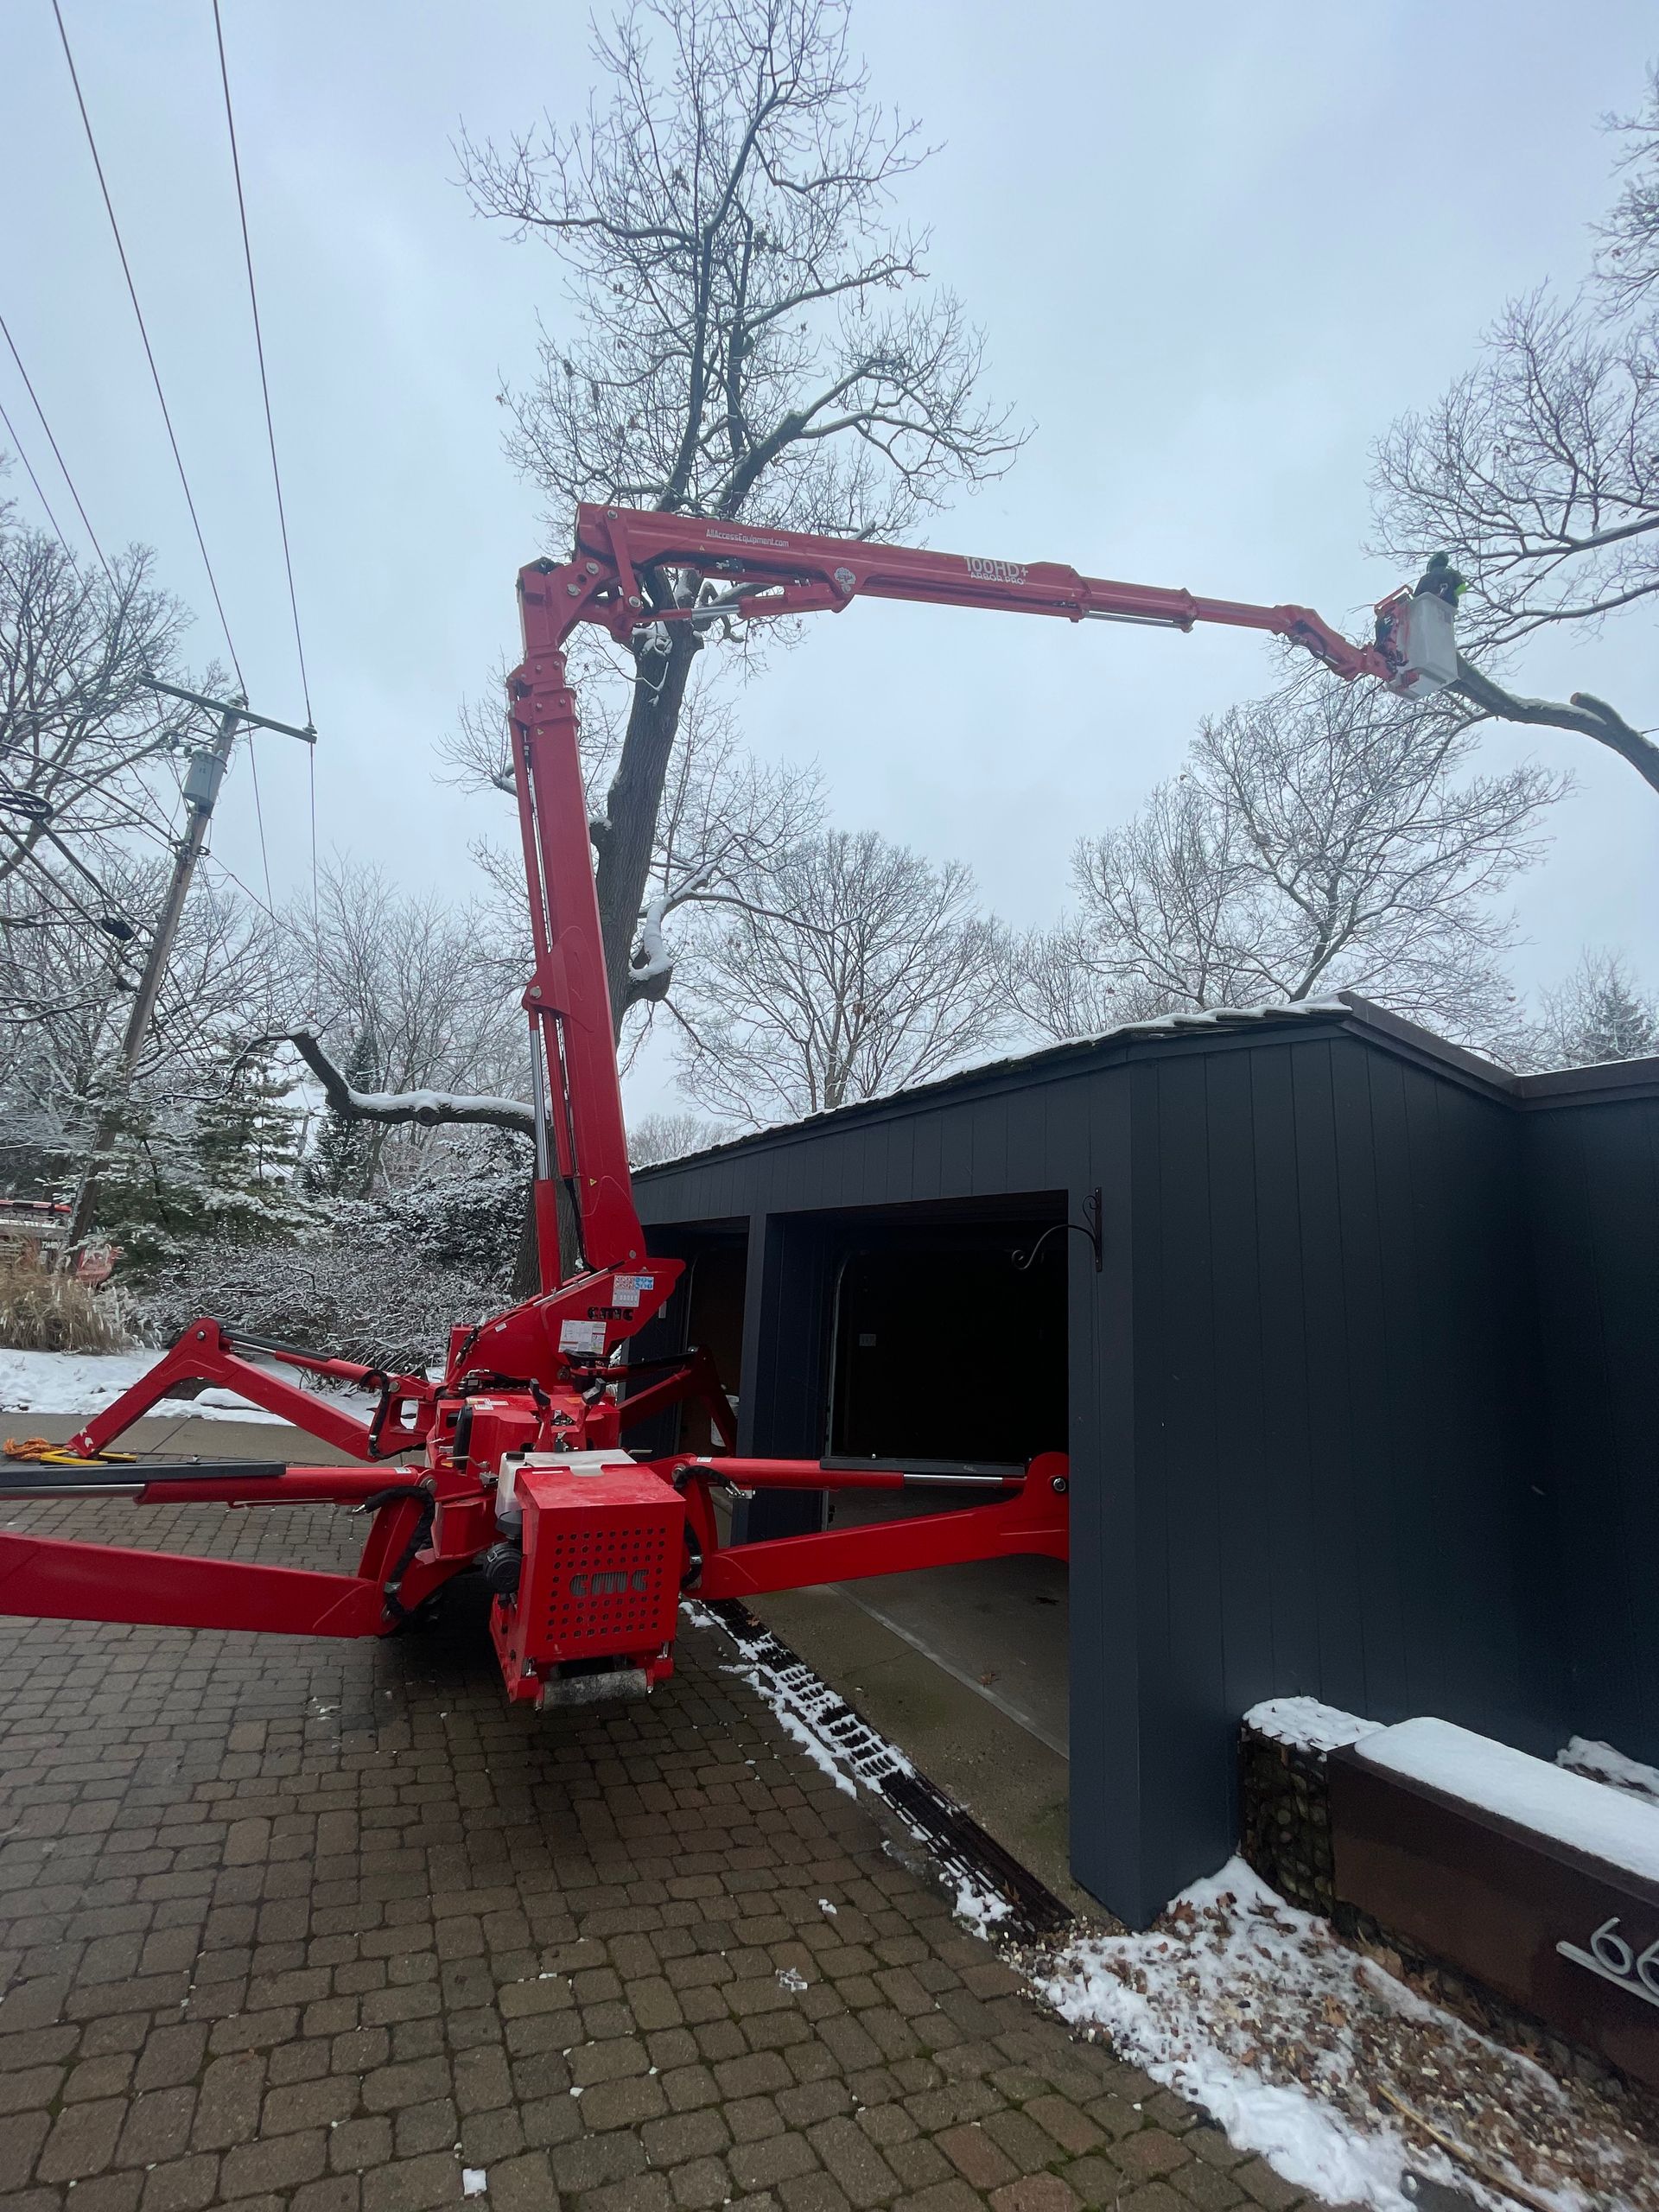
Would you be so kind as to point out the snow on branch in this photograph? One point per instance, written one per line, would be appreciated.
(651, 967)
(1583, 713)
(431, 1108)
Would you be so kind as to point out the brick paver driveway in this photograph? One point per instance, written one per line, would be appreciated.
(321, 1925)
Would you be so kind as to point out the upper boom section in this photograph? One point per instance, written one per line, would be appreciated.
(636, 573)
(616, 578)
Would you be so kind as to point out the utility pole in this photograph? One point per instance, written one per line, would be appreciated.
(201, 782)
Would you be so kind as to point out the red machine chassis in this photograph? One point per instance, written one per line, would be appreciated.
(513, 1458)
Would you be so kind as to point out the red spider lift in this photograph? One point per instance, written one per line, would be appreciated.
(514, 1461)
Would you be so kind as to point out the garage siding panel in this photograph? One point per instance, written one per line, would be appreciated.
(1089, 1141)
(1244, 1487)
(1409, 1330)
(1181, 1469)
(1333, 1468)
(1373, 1444)
(1596, 1230)
(1289, 1497)
(1332, 1552)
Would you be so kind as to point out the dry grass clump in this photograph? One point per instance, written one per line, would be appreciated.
(43, 1310)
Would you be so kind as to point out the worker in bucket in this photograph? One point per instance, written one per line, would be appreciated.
(1439, 580)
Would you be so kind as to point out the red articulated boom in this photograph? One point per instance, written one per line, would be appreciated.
(514, 1461)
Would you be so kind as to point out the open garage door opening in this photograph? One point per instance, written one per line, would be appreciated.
(934, 1338)
(948, 1354)
(950, 1342)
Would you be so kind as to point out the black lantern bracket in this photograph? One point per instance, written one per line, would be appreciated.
(1092, 1226)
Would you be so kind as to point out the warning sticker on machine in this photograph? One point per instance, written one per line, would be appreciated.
(581, 1336)
(630, 1290)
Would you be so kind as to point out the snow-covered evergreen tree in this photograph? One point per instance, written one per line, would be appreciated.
(341, 1162)
(248, 1135)
(1601, 1013)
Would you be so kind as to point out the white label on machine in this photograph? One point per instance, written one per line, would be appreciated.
(630, 1290)
(581, 1336)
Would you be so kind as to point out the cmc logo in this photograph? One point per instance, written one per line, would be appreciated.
(610, 1583)
(995, 572)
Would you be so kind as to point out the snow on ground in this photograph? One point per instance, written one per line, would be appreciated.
(1303, 2049)
(83, 1382)
(1580, 1754)
(1298, 2046)
(848, 1750)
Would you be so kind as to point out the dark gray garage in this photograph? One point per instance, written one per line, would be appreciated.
(1361, 1399)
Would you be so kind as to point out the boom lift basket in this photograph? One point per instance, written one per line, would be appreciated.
(1430, 647)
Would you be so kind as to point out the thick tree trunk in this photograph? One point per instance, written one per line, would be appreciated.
(635, 796)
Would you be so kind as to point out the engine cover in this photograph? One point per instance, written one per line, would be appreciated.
(603, 1547)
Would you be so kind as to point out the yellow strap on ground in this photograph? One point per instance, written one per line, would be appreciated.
(37, 1448)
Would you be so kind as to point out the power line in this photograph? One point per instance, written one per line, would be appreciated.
(57, 456)
(259, 818)
(259, 348)
(17, 447)
(132, 294)
(248, 893)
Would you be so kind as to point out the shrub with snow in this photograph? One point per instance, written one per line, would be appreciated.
(380, 1280)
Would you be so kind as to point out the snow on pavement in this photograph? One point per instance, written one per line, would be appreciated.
(847, 1749)
(83, 1382)
(1295, 2044)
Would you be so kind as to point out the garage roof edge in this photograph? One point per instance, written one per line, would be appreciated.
(1346, 1011)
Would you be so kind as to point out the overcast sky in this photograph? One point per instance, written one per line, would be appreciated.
(1214, 249)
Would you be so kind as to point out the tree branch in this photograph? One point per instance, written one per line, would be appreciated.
(431, 1108)
(1584, 714)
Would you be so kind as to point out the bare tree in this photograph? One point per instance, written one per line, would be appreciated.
(1538, 470)
(1327, 837)
(738, 342)
(723, 823)
(1627, 267)
(1600, 1013)
(374, 960)
(875, 970)
(1058, 985)
(657, 1137)
(82, 741)
(63, 1001)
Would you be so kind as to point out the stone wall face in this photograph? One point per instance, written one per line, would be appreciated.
(1285, 1820)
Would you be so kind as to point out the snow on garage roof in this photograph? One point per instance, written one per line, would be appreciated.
(1344, 1005)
